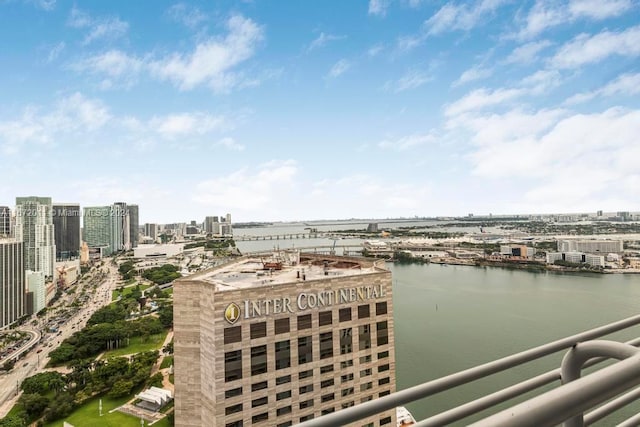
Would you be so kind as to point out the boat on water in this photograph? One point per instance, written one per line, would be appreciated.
(404, 417)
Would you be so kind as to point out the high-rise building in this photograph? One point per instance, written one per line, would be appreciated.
(5, 221)
(34, 227)
(151, 230)
(97, 228)
(66, 221)
(282, 341)
(12, 289)
(134, 225)
(36, 286)
(120, 233)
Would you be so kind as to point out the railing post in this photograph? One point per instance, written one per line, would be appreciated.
(575, 359)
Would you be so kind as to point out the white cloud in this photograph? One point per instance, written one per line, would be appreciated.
(406, 142)
(99, 28)
(473, 74)
(322, 40)
(585, 49)
(249, 190)
(624, 85)
(378, 7)
(213, 61)
(375, 50)
(464, 16)
(544, 14)
(187, 15)
(55, 51)
(339, 68)
(480, 98)
(119, 67)
(70, 115)
(180, 125)
(410, 80)
(47, 5)
(230, 144)
(527, 53)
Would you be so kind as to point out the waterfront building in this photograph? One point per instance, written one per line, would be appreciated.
(283, 340)
(12, 290)
(576, 257)
(5, 221)
(37, 290)
(34, 227)
(120, 233)
(590, 245)
(97, 228)
(66, 222)
(218, 226)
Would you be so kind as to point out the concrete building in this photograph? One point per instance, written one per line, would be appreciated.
(576, 257)
(12, 289)
(151, 230)
(37, 289)
(34, 227)
(134, 225)
(281, 341)
(218, 226)
(5, 221)
(97, 228)
(120, 232)
(590, 245)
(66, 222)
(517, 251)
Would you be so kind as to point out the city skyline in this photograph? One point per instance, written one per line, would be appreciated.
(292, 111)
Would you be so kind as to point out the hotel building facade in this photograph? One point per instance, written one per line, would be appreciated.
(278, 342)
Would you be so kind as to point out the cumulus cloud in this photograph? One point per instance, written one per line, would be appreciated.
(187, 15)
(527, 53)
(587, 49)
(230, 144)
(378, 7)
(98, 28)
(624, 85)
(339, 68)
(473, 74)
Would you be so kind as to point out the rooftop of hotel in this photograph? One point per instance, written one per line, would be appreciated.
(281, 268)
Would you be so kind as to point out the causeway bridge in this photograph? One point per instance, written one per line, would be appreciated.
(284, 236)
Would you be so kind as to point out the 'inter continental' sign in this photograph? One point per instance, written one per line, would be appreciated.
(304, 301)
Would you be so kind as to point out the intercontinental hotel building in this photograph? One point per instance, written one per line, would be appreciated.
(280, 341)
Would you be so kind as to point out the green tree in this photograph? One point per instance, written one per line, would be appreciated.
(121, 388)
(33, 404)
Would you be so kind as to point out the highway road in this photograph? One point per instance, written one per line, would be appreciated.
(36, 359)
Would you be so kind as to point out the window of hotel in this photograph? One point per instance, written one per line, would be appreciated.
(347, 377)
(304, 321)
(287, 424)
(365, 336)
(325, 318)
(306, 389)
(346, 364)
(283, 354)
(383, 381)
(233, 409)
(346, 341)
(259, 386)
(232, 334)
(258, 360)
(283, 395)
(365, 359)
(283, 411)
(326, 368)
(305, 350)
(306, 404)
(260, 417)
(365, 372)
(233, 392)
(328, 397)
(328, 411)
(305, 374)
(259, 402)
(306, 418)
(385, 393)
(234, 424)
(345, 314)
(366, 399)
(383, 354)
(366, 386)
(384, 421)
(232, 365)
(281, 325)
(363, 311)
(382, 368)
(348, 404)
(258, 330)
(347, 391)
(383, 333)
(381, 308)
(368, 425)
(283, 380)
(326, 383)
(326, 345)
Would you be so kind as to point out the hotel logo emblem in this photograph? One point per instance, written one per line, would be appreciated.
(232, 313)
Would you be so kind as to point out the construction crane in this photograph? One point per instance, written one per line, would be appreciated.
(333, 248)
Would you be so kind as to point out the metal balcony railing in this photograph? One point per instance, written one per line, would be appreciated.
(566, 403)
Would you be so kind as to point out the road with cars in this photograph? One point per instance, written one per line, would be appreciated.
(35, 360)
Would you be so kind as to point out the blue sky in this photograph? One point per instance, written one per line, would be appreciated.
(283, 110)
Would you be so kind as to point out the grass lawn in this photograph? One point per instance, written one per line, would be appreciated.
(88, 415)
(137, 346)
(166, 362)
(126, 291)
